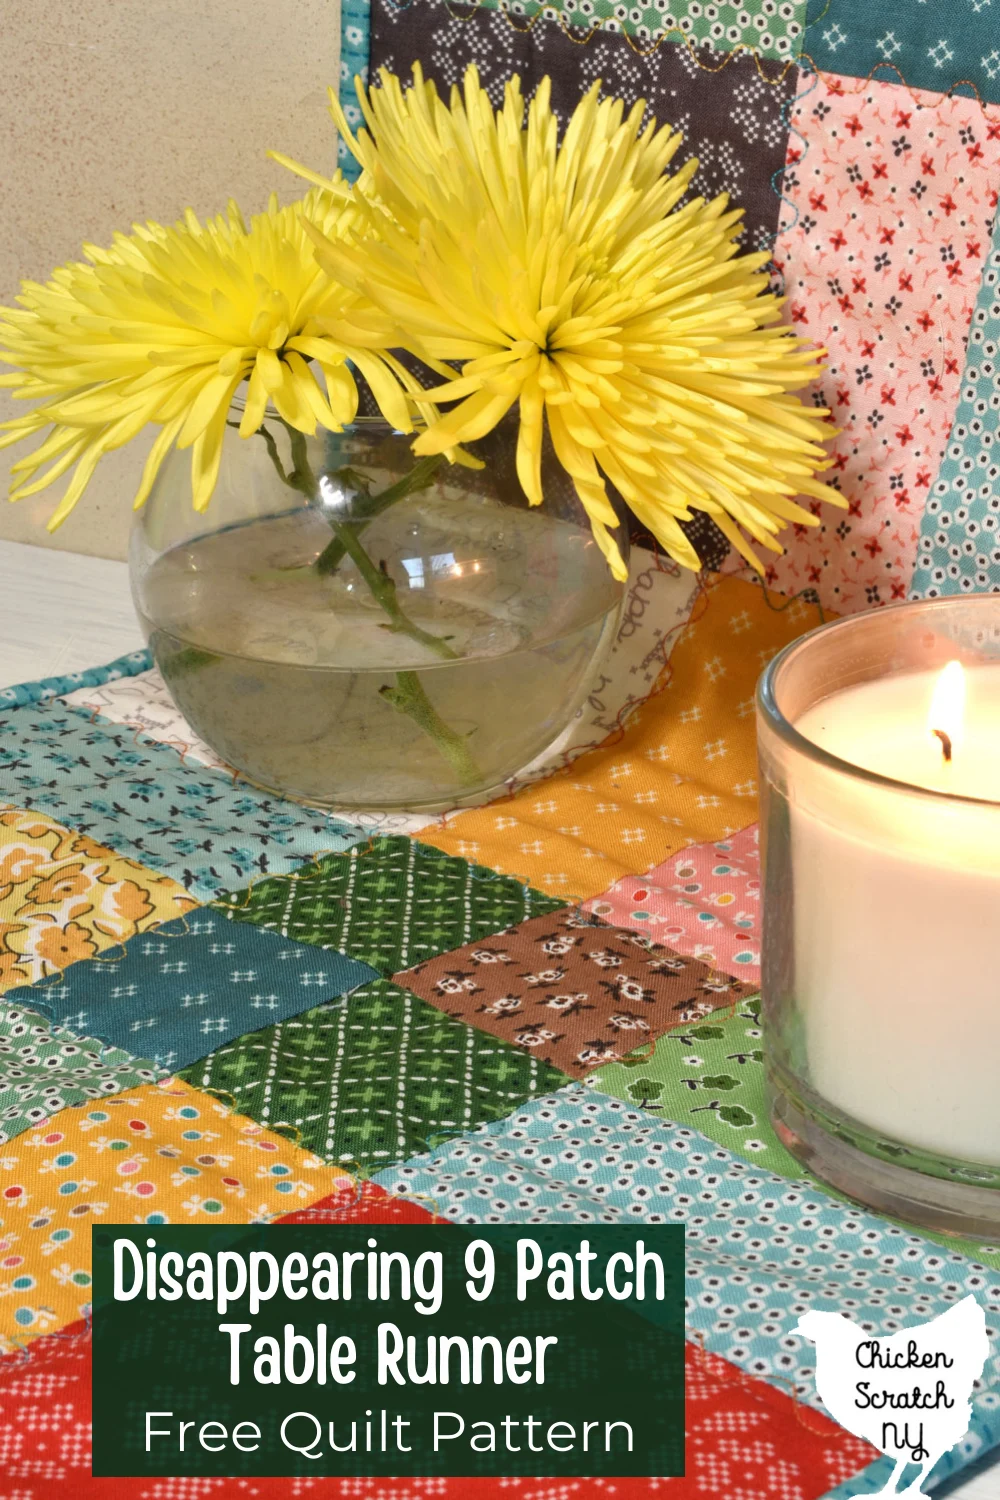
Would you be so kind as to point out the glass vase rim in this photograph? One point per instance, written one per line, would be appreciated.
(806, 749)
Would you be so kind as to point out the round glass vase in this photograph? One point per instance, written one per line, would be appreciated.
(350, 626)
(880, 985)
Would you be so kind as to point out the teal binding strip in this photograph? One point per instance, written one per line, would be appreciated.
(355, 48)
(54, 687)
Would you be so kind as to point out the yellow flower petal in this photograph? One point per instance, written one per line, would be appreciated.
(162, 444)
(206, 455)
(255, 402)
(579, 279)
(78, 443)
(471, 419)
(529, 442)
(164, 324)
(81, 478)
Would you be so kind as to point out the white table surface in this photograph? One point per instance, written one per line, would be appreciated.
(60, 612)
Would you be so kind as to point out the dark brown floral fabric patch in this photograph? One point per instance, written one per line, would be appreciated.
(571, 990)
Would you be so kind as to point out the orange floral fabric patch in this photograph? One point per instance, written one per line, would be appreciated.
(683, 772)
(65, 897)
(162, 1154)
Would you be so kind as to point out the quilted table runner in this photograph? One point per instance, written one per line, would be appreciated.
(540, 1010)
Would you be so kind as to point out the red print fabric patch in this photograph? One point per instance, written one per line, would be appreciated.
(362, 1203)
(889, 194)
(744, 1439)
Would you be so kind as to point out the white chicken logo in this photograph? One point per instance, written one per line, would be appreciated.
(907, 1393)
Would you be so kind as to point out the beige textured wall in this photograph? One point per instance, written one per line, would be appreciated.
(113, 110)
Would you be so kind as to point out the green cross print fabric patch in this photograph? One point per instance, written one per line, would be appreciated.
(375, 1080)
(394, 904)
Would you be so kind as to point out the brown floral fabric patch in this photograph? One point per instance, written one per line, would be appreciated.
(571, 990)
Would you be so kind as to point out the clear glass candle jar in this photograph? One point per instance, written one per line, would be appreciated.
(356, 628)
(881, 848)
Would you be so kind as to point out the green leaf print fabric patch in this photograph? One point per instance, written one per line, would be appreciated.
(375, 1080)
(394, 904)
(710, 1076)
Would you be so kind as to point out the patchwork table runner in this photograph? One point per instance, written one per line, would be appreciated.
(539, 1010)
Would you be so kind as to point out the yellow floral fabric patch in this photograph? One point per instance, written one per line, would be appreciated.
(683, 772)
(161, 1154)
(64, 897)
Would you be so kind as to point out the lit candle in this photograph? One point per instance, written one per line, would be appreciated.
(937, 730)
(882, 909)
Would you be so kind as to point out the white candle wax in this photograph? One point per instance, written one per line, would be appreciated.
(896, 914)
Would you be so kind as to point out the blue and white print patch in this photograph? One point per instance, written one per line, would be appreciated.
(196, 824)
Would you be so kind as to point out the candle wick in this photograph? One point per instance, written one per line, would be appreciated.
(945, 743)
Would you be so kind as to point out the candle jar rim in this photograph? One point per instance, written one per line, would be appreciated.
(833, 632)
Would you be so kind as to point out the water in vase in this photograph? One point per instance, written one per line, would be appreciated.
(301, 681)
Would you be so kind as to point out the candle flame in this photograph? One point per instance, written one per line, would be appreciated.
(947, 711)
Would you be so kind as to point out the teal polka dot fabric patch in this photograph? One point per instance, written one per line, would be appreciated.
(761, 1251)
(44, 1068)
(69, 682)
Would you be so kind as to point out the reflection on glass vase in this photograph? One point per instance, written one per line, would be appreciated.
(354, 627)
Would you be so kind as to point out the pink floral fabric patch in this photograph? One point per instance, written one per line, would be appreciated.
(889, 193)
(704, 901)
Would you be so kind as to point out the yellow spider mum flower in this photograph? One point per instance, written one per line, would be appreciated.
(568, 278)
(166, 324)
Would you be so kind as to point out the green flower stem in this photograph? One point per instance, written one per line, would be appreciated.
(367, 507)
(408, 697)
(345, 532)
(383, 591)
(189, 659)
